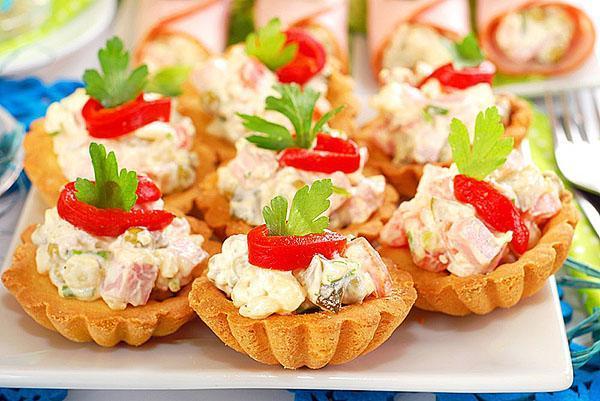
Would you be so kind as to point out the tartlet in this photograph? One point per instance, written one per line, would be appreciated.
(504, 287)
(405, 177)
(297, 294)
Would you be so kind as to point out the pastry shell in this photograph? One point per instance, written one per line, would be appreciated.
(339, 92)
(42, 168)
(506, 285)
(405, 178)
(214, 209)
(312, 339)
(94, 321)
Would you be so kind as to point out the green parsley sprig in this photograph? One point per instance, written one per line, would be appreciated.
(490, 147)
(168, 80)
(268, 45)
(305, 218)
(112, 188)
(116, 84)
(467, 52)
(298, 106)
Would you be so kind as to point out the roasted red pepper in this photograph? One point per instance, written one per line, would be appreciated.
(494, 208)
(107, 222)
(121, 120)
(463, 78)
(329, 155)
(309, 60)
(280, 252)
(146, 191)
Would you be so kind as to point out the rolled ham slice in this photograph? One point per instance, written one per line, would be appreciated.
(449, 17)
(202, 24)
(330, 16)
(491, 12)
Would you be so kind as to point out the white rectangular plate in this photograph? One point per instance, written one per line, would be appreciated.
(520, 349)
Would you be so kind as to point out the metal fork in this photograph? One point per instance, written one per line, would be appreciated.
(575, 118)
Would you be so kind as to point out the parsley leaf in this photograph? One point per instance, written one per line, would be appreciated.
(167, 81)
(489, 150)
(268, 45)
(305, 218)
(112, 188)
(116, 85)
(467, 53)
(298, 106)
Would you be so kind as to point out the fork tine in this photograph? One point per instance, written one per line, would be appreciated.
(579, 116)
(594, 93)
(558, 131)
(568, 119)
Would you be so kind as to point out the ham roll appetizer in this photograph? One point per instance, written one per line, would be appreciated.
(180, 32)
(406, 33)
(534, 37)
(326, 20)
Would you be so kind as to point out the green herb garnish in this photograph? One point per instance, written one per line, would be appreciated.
(431, 110)
(116, 85)
(168, 81)
(268, 45)
(467, 53)
(298, 106)
(112, 188)
(305, 218)
(489, 150)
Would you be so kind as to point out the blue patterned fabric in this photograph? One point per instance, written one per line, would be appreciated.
(27, 394)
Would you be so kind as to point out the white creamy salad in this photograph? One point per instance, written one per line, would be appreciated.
(445, 234)
(254, 177)
(161, 150)
(237, 83)
(169, 50)
(412, 44)
(416, 121)
(325, 284)
(121, 271)
(539, 34)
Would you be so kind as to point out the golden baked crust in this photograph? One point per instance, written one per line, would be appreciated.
(214, 208)
(405, 178)
(82, 321)
(313, 339)
(339, 92)
(501, 288)
(42, 168)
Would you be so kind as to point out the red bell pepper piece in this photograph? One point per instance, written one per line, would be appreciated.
(107, 222)
(463, 78)
(309, 60)
(121, 120)
(494, 208)
(146, 191)
(280, 252)
(329, 155)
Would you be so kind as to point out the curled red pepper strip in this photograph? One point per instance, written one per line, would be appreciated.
(146, 191)
(286, 253)
(107, 222)
(328, 156)
(464, 77)
(494, 208)
(121, 120)
(309, 60)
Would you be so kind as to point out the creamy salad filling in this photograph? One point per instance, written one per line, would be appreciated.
(121, 271)
(237, 83)
(416, 121)
(325, 284)
(169, 50)
(540, 34)
(254, 177)
(445, 234)
(161, 150)
(412, 44)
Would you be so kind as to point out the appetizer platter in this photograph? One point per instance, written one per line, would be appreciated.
(249, 216)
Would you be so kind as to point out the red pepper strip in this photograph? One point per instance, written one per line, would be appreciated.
(329, 155)
(309, 60)
(146, 191)
(107, 222)
(494, 208)
(280, 252)
(463, 78)
(121, 120)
